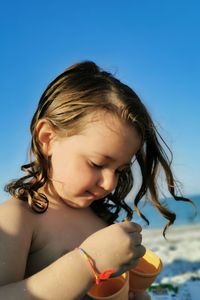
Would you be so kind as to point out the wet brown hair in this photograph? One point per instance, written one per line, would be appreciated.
(81, 89)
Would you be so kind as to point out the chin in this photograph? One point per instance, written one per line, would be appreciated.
(79, 204)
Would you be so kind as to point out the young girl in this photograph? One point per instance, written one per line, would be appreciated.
(87, 131)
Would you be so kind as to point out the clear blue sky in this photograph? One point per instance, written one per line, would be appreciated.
(154, 46)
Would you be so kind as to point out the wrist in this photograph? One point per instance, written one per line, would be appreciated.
(98, 277)
(86, 273)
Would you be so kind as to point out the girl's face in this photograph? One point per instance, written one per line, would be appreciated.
(85, 167)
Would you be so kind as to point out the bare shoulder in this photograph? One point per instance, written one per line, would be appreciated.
(16, 230)
(13, 214)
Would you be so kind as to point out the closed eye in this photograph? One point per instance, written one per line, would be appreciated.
(118, 171)
(96, 165)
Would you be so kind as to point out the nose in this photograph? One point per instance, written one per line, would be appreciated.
(108, 181)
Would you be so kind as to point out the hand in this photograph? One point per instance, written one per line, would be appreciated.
(115, 247)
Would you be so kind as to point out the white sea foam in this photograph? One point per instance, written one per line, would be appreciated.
(180, 253)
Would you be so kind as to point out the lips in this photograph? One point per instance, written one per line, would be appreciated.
(95, 195)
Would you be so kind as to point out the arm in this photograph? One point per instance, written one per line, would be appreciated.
(117, 246)
(67, 278)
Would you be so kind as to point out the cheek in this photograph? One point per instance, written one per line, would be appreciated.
(58, 167)
(83, 176)
(78, 182)
(73, 173)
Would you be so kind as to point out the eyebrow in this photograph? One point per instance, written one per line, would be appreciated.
(129, 163)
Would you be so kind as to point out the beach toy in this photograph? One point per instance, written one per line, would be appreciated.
(146, 271)
(112, 289)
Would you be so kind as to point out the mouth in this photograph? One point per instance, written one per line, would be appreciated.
(95, 196)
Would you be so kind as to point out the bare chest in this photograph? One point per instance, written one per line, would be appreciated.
(57, 234)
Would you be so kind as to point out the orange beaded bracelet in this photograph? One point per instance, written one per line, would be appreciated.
(98, 276)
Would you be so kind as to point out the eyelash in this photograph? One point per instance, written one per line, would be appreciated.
(96, 166)
(101, 166)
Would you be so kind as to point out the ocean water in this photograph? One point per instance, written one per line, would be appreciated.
(183, 210)
(185, 213)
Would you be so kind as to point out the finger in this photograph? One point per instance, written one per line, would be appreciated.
(136, 238)
(139, 251)
(131, 226)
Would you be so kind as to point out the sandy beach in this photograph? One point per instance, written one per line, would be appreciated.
(180, 255)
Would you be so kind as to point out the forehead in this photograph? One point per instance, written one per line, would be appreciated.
(106, 133)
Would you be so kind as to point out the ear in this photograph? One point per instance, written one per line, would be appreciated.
(45, 134)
